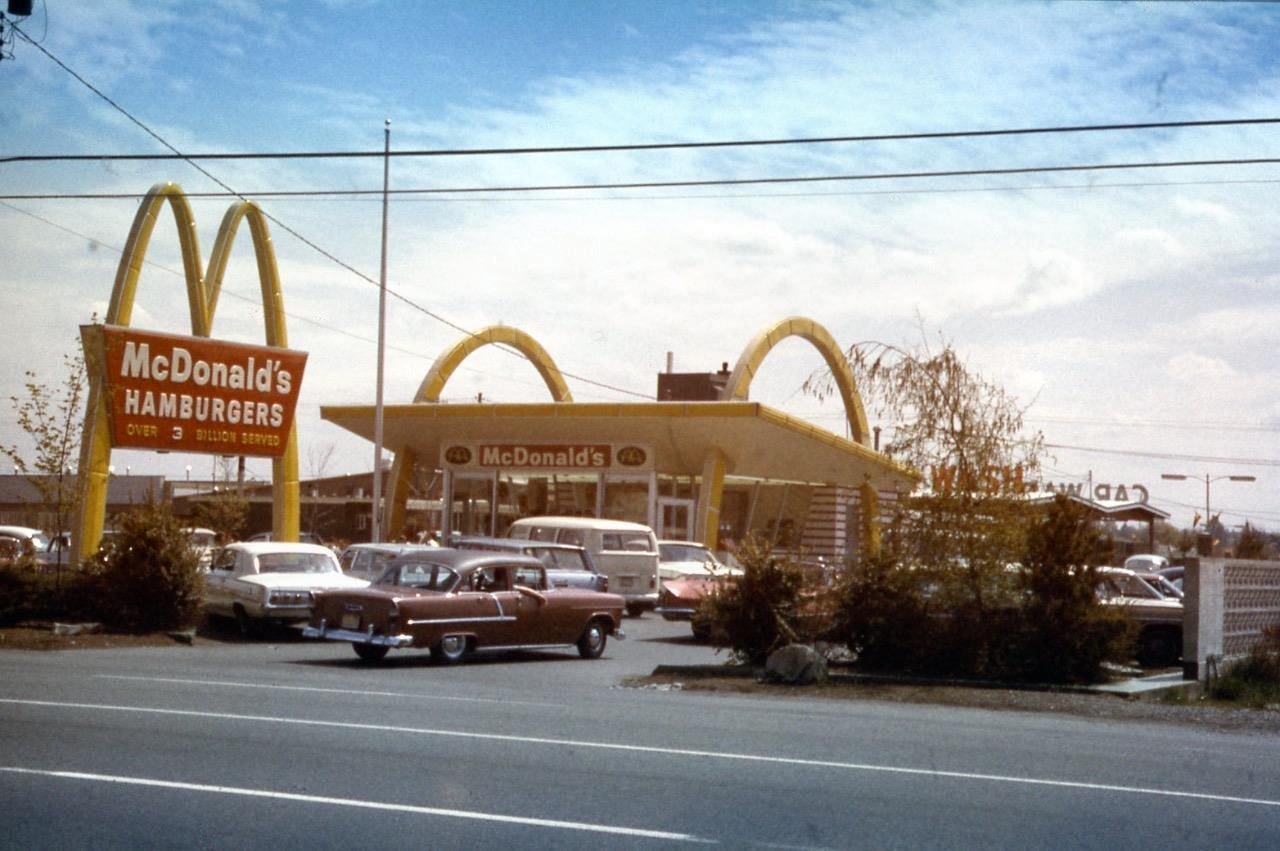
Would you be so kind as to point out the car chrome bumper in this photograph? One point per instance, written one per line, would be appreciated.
(676, 613)
(356, 636)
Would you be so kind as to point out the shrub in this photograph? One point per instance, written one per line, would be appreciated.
(1038, 621)
(148, 578)
(1255, 679)
(761, 610)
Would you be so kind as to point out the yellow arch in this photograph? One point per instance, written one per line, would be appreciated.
(798, 326)
(445, 365)
(433, 385)
(737, 387)
(202, 300)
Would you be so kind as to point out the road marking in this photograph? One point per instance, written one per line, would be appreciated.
(660, 751)
(415, 696)
(639, 833)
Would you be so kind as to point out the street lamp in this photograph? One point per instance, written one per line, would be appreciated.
(1177, 477)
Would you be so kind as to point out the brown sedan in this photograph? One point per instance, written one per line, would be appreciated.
(457, 601)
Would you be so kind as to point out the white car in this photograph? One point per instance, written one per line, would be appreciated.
(203, 542)
(17, 541)
(267, 581)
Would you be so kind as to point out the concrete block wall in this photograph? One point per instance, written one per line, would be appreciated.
(1229, 603)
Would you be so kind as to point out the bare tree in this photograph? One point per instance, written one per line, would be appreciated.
(52, 418)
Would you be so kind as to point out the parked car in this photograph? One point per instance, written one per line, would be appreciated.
(688, 571)
(1146, 563)
(1158, 616)
(263, 581)
(17, 541)
(1174, 574)
(454, 602)
(567, 565)
(625, 552)
(204, 542)
(367, 561)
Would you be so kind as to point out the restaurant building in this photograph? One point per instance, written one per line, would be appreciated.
(701, 462)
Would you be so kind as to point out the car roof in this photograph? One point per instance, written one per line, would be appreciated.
(388, 547)
(516, 544)
(261, 547)
(583, 523)
(461, 560)
(21, 531)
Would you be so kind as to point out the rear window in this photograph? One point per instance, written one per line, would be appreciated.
(418, 574)
(296, 563)
(634, 542)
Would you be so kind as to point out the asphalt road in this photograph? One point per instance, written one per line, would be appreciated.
(289, 743)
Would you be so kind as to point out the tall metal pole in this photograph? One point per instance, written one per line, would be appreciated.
(376, 534)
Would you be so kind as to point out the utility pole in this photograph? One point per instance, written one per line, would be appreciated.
(376, 534)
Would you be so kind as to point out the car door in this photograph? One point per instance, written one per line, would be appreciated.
(217, 597)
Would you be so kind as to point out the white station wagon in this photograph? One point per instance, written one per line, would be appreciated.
(268, 581)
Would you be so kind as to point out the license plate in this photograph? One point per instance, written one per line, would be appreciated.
(628, 581)
(351, 621)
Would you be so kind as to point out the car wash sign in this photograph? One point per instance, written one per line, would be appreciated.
(193, 394)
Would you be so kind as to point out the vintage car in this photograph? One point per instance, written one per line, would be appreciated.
(454, 602)
(688, 572)
(1157, 615)
(625, 552)
(567, 565)
(266, 581)
(367, 561)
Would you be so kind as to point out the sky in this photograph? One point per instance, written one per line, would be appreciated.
(1135, 312)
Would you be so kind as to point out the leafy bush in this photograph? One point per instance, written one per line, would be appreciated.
(1255, 679)
(148, 578)
(762, 610)
(1035, 621)
(1065, 634)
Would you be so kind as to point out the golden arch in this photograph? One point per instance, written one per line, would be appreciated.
(445, 365)
(433, 385)
(737, 387)
(202, 301)
(798, 326)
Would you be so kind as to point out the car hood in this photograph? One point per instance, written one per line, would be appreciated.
(324, 581)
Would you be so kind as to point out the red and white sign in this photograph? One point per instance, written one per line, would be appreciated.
(193, 394)
(543, 456)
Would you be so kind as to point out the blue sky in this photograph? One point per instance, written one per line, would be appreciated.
(1135, 311)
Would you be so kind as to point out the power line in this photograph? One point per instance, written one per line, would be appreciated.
(665, 184)
(1169, 456)
(227, 292)
(639, 146)
(324, 253)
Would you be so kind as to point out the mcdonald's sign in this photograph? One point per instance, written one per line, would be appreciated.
(227, 398)
(194, 394)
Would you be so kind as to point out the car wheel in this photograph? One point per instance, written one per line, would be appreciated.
(701, 631)
(634, 610)
(594, 638)
(246, 625)
(369, 652)
(449, 650)
(1159, 648)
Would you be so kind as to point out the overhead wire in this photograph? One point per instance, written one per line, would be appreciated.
(661, 184)
(304, 240)
(646, 146)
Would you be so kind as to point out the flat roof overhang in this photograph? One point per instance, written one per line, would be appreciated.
(758, 441)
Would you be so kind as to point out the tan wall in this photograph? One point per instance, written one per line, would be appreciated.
(1229, 603)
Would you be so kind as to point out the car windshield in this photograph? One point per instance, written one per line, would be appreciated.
(296, 563)
(682, 552)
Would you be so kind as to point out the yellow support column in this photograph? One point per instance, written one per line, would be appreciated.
(869, 502)
(709, 496)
